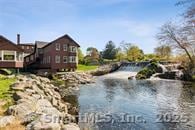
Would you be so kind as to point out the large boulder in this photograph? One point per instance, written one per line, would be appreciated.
(45, 107)
(36, 97)
(20, 95)
(150, 69)
(71, 126)
(43, 124)
(176, 74)
(18, 86)
(6, 120)
(23, 109)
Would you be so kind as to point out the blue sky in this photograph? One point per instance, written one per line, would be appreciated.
(89, 22)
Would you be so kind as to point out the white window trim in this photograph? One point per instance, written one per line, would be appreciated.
(65, 47)
(66, 59)
(73, 50)
(3, 54)
(57, 46)
(57, 61)
(71, 59)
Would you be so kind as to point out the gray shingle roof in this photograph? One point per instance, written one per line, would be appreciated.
(40, 44)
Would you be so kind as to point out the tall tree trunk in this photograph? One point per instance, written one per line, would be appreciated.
(190, 57)
(186, 51)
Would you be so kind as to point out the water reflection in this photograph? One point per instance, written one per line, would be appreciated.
(146, 100)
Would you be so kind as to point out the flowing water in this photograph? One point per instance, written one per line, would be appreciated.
(116, 103)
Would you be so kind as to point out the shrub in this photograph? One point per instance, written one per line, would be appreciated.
(148, 71)
(57, 82)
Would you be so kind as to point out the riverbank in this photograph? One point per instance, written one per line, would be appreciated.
(37, 102)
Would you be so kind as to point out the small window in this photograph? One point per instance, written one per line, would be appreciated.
(27, 47)
(57, 59)
(57, 46)
(9, 55)
(22, 47)
(65, 47)
(65, 59)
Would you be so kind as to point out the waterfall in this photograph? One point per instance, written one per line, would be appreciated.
(164, 69)
(130, 67)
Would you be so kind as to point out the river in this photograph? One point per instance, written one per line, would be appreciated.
(116, 103)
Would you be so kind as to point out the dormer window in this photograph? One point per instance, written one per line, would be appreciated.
(57, 46)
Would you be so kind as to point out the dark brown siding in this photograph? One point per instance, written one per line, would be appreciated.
(8, 45)
(27, 48)
(6, 64)
(49, 50)
(52, 52)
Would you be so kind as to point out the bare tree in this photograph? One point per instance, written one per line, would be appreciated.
(180, 37)
(189, 14)
(163, 51)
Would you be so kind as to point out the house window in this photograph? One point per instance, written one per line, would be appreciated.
(57, 46)
(65, 47)
(57, 59)
(72, 49)
(9, 55)
(27, 47)
(65, 59)
(22, 47)
(72, 59)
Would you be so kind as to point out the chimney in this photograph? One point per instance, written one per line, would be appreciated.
(18, 39)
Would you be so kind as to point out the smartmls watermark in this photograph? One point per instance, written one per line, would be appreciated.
(119, 118)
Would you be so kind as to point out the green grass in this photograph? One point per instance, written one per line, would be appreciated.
(5, 93)
(86, 67)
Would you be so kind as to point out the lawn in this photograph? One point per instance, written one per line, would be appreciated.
(86, 67)
(5, 94)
